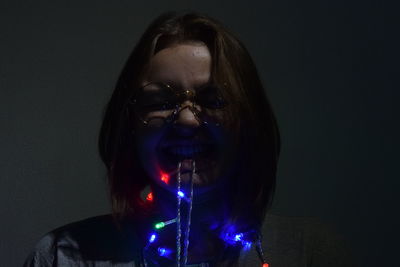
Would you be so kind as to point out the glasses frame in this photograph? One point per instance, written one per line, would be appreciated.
(182, 96)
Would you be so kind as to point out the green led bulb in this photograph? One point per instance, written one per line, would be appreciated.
(159, 225)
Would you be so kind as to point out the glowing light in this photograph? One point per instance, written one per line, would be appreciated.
(229, 235)
(164, 177)
(181, 194)
(149, 196)
(238, 237)
(159, 225)
(232, 237)
(163, 251)
(152, 238)
(265, 265)
(247, 245)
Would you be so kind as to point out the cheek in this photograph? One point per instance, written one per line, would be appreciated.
(227, 150)
(224, 139)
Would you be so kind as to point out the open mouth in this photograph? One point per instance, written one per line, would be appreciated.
(178, 152)
(172, 153)
(188, 151)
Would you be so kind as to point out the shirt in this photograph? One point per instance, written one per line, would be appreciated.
(97, 241)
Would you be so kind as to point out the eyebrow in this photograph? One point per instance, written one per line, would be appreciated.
(175, 86)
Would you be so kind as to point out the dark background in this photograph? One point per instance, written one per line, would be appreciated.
(329, 69)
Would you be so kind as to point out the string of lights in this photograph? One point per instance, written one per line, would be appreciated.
(244, 239)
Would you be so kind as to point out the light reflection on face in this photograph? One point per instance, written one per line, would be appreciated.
(186, 67)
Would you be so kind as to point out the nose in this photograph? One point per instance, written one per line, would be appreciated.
(186, 120)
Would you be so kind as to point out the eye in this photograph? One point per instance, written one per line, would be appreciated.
(210, 97)
(155, 97)
(154, 103)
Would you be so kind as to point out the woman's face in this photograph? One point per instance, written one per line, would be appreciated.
(185, 68)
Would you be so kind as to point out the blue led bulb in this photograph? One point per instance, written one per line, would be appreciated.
(181, 194)
(238, 237)
(162, 251)
(152, 238)
(247, 245)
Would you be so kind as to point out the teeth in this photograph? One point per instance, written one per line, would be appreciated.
(186, 150)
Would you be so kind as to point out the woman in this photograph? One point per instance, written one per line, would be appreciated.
(191, 147)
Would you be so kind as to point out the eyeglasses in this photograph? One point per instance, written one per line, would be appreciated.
(158, 103)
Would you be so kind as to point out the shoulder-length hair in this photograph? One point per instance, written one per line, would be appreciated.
(251, 118)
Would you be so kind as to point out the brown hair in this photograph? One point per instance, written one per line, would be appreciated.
(251, 118)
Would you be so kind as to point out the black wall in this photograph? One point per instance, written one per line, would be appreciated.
(329, 68)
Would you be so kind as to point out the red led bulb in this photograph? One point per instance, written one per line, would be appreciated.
(149, 196)
(164, 177)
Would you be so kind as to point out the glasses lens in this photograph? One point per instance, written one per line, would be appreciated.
(209, 97)
(155, 101)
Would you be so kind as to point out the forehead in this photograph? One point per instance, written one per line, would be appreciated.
(185, 65)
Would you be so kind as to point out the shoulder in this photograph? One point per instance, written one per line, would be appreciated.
(95, 238)
(305, 239)
(296, 227)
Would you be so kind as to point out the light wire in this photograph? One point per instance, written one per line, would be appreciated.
(178, 219)
(189, 216)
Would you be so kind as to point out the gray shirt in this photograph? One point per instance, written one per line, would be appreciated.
(287, 242)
